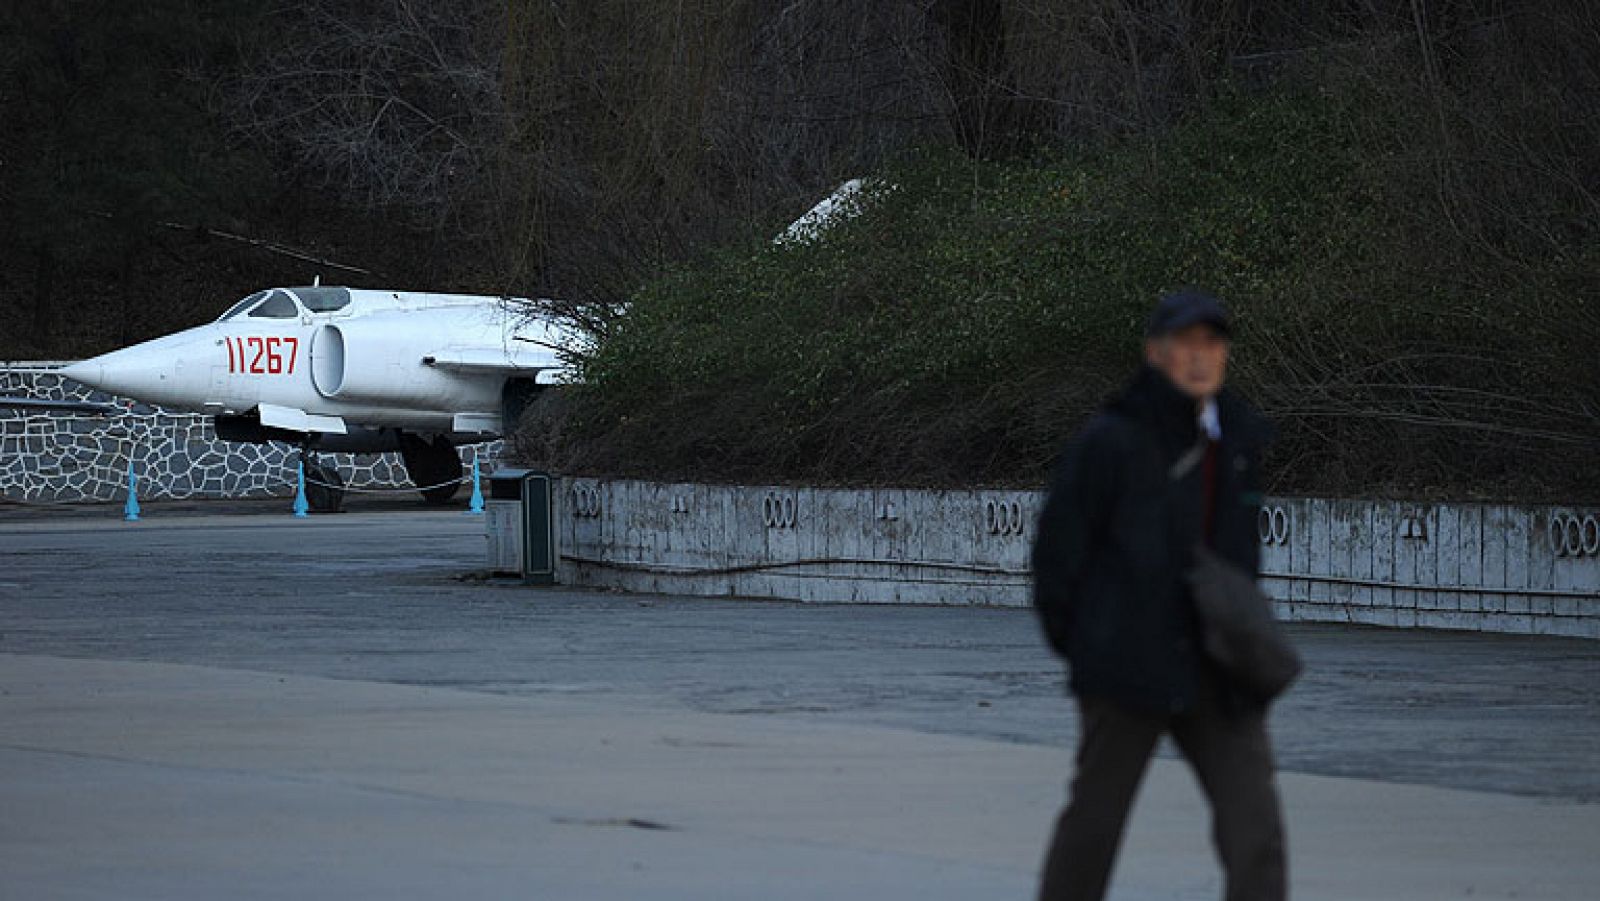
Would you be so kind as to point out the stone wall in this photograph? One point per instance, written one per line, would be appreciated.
(59, 457)
(1456, 566)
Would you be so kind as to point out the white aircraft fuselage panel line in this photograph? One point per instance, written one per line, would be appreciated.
(328, 360)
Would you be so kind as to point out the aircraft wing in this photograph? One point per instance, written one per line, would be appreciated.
(542, 365)
(65, 406)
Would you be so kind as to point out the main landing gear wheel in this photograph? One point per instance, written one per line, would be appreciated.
(324, 485)
(434, 467)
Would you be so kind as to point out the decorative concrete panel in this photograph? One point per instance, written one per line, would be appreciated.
(1464, 566)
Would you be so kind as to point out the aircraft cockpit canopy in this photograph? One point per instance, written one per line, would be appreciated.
(323, 298)
(279, 306)
(242, 305)
(283, 304)
(275, 304)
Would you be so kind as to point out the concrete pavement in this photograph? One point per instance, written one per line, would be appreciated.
(249, 705)
(143, 780)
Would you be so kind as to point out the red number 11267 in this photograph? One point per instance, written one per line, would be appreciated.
(257, 355)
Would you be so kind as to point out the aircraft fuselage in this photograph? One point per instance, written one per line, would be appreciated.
(335, 361)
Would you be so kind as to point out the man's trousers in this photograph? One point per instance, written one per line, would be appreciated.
(1232, 758)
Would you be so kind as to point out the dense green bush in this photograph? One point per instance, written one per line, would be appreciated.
(959, 327)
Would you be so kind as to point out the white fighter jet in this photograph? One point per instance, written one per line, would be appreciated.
(350, 370)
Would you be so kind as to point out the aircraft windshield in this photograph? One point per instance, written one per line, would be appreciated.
(321, 299)
(278, 306)
(239, 307)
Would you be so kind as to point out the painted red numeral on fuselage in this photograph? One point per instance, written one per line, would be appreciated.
(268, 349)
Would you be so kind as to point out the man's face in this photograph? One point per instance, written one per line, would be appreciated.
(1194, 358)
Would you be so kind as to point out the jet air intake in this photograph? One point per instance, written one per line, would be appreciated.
(327, 360)
(353, 365)
(382, 364)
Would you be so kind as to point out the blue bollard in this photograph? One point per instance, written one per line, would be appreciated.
(300, 505)
(477, 491)
(130, 510)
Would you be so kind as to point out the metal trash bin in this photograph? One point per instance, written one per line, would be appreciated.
(520, 524)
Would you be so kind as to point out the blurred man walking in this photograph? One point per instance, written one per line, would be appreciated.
(1169, 464)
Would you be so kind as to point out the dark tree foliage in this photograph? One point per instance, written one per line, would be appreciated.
(158, 159)
(1396, 196)
(109, 139)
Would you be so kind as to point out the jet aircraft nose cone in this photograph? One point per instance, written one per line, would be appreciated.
(90, 372)
(148, 372)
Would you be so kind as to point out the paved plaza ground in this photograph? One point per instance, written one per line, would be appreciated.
(222, 700)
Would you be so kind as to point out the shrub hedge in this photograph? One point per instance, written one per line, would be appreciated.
(971, 314)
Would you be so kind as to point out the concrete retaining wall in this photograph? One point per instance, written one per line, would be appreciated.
(1456, 566)
(1478, 567)
(869, 546)
(55, 457)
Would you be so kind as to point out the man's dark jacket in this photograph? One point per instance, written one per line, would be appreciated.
(1123, 514)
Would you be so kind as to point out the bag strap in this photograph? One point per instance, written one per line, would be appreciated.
(1190, 459)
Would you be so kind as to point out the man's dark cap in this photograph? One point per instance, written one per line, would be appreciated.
(1177, 310)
